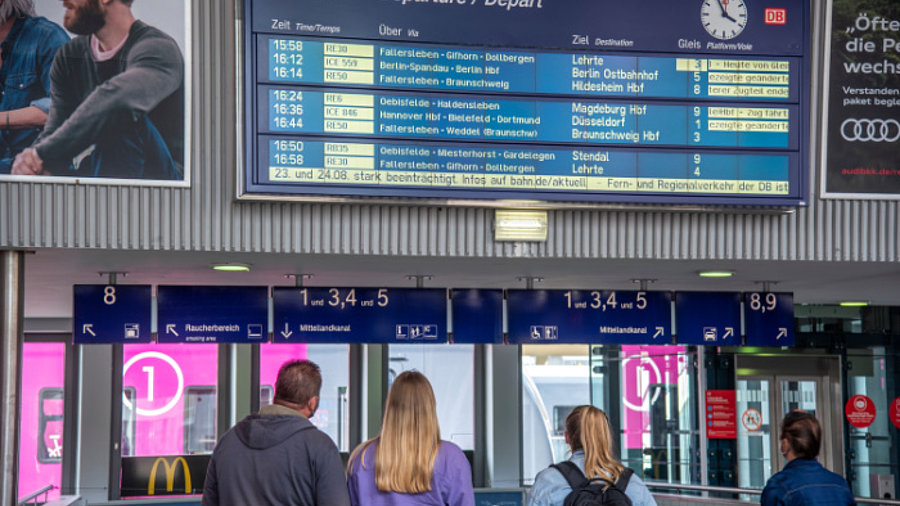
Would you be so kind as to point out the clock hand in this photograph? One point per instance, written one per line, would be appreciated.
(723, 4)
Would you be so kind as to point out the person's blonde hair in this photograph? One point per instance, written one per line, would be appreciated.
(410, 437)
(588, 429)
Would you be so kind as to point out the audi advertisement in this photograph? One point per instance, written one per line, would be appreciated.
(861, 137)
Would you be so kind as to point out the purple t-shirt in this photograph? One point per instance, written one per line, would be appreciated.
(451, 482)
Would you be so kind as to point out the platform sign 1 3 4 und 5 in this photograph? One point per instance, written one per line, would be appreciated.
(589, 316)
(111, 314)
(360, 315)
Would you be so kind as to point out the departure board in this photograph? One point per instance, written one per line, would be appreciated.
(564, 101)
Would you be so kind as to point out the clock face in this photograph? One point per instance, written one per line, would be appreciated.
(723, 19)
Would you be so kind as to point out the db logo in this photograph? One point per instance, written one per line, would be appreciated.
(775, 16)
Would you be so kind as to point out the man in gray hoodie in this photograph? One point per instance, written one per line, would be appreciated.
(277, 456)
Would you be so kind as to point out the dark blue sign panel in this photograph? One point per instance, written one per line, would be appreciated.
(360, 315)
(112, 314)
(564, 100)
(589, 316)
(477, 316)
(212, 314)
(769, 318)
(708, 318)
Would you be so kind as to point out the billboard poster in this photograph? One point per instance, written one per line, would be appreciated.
(650, 376)
(861, 127)
(96, 92)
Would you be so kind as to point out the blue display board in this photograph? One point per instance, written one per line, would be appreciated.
(708, 318)
(769, 319)
(212, 314)
(360, 315)
(589, 316)
(477, 316)
(570, 100)
(111, 314)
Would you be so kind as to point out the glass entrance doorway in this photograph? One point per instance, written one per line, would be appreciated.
(767, 389)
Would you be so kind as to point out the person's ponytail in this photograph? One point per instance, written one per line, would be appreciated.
(596, 439)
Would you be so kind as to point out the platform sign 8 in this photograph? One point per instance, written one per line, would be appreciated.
(111, 314)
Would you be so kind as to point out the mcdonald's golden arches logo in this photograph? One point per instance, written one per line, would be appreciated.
(170, 475)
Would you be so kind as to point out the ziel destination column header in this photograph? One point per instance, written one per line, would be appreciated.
(571, 100)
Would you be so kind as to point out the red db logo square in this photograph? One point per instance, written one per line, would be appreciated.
(776, 16)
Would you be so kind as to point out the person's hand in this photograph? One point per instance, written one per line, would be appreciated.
(28, 163)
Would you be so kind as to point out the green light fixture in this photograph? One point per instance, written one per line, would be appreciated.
(715, 274)
(231, 267)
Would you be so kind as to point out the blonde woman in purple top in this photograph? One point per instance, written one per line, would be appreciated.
(408, 464)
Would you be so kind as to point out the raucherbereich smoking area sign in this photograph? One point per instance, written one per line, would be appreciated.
(861, 134)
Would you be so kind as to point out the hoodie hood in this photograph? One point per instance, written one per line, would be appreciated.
(270, 427)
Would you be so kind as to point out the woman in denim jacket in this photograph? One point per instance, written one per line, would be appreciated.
(803, 480)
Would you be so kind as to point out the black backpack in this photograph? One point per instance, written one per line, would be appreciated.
(587, 492)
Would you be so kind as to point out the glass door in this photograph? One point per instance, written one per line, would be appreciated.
(798, 393)
(768, 388)
(755, 430)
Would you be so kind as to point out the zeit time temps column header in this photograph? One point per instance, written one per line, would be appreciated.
(580, 101)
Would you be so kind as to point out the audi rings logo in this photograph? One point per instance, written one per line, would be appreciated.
(870, 130)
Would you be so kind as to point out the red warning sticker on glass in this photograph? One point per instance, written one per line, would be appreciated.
(860, 411)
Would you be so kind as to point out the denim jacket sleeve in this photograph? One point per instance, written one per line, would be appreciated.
(772, 494)
(550, 489)
(638, 492)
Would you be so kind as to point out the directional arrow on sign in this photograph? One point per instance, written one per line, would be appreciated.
(170, 329)
(659, 332)
(286, 333)
(782, 332)
(88, 328)
(729, 331)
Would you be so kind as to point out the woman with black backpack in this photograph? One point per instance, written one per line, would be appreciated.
(564, 484)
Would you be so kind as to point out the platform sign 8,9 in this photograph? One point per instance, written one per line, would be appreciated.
(769, 318)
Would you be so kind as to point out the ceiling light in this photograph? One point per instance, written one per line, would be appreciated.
(715, 274)
(854, 303)
(520, 225)
(231, 267)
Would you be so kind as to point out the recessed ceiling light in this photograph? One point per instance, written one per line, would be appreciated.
(715, 274)
(854, 303)
(231, 267)
(514, 225)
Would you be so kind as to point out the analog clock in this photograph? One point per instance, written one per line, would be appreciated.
(723, 19)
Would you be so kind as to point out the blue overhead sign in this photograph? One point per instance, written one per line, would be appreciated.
(212, 314)
(111, 314)
(477, 316)
(769, 318)
(589, 316)
(360, 315)
(708, 318)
